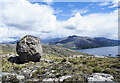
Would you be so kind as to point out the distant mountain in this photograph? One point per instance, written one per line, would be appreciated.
(13, 40)
(49, 40)
(78, 42)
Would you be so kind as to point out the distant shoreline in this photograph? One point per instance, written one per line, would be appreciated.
(93, 47)
(110, 51)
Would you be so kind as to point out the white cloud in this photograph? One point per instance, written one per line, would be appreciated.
(93, 25)
(79, 11)
(49, 2)
(19, 19)
(105, 25)
(103, 3)
(28, 16)
(58, 11)
(115, 3)
(77, 22)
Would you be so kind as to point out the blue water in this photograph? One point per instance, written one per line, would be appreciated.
(102, 51)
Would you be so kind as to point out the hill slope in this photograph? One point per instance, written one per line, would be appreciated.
(77, 42)
(47, 50)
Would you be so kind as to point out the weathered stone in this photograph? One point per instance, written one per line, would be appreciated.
(65, 77)
(11, 77)
(26, 72)
(100, 77)
(56, 80)
(29, 49)
(48, 61)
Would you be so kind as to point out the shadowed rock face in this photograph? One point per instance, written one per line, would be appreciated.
(29, 49)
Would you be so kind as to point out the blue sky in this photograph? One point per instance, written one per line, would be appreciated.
(65, 9)
(58, 19)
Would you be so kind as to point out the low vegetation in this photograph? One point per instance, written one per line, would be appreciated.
(58, 61)
(80, 67)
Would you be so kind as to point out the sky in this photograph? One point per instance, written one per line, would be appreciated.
(49, 19)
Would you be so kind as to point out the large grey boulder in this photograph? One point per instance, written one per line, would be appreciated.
(29, 49)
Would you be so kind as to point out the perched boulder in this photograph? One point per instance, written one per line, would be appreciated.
(29, 49)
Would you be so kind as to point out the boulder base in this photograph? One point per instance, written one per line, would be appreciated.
(29, 49)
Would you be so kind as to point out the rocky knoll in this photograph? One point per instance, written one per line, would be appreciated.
(29, 49)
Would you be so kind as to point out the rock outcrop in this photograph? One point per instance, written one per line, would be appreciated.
(11, 78)
(29, 49)
(100, 77)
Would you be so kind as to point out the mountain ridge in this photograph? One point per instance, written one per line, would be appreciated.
(79, 42)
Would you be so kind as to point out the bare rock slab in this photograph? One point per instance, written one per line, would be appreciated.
(100, 77)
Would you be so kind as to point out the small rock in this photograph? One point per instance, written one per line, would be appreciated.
(26, 72)
(31, 62)
(65, 77)
(11, 76)
(51, 80)
(52, 71)
(46, 60)
(12, 55)
(77, 56)
(67, 62)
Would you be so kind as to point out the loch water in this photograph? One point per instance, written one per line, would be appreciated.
(102, 51)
